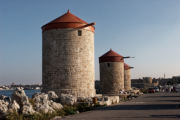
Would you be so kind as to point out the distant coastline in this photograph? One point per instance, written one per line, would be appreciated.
(9, 92)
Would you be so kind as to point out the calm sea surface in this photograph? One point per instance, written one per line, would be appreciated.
(29, 93)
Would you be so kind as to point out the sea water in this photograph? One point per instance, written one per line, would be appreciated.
(29, 93)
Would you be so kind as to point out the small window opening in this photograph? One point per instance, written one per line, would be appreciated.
(108, 64)
(79, 32)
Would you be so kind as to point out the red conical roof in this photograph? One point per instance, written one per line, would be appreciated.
(111, 56)
(68, 17)
(126, 66)
(67, 20)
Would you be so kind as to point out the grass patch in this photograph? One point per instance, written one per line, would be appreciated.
(42, 116)
(144, 90)
(69, 110)
(124, 99)
(82, 107)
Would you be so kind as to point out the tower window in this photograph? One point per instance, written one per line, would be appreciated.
(79, 32)
(108, 64)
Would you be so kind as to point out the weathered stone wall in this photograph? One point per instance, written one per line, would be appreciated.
(147, 80)
(127, 79)
(112, 77)
(68, 62)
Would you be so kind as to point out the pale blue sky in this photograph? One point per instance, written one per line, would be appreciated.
(146, 29)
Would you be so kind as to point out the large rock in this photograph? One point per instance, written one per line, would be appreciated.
(13, 106)
(135, 91)
(84, 99)
(20, 97)
(114, 99)
(68, 99)
(108, 100)
(3, 108)
(43, 104)
(52, 95)
(27, 109)
(5, 98)
(55, 106)
(40, 97)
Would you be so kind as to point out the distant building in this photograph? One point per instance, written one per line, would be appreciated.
(147, 82)
(176, 79)
(137, 83)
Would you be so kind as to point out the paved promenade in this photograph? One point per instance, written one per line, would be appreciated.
(158, 106)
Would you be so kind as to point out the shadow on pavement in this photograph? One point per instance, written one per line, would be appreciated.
(152, 116)
(169, 96)
(143, 107)
(161, 96)
(169, 100)
(165, 116)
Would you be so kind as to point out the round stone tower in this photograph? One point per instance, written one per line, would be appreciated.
(147, 80)
(127, 77)
(111, 73)
(68, 56)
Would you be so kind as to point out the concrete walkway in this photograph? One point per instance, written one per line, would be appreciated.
(158, 106)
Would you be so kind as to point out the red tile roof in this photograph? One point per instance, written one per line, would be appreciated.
(111, 56)
(67, 20)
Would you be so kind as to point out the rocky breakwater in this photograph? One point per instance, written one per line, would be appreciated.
(22, 100)
(115, 99)
(67, 99)
(44, 102)
(44, 106)
(21, 104)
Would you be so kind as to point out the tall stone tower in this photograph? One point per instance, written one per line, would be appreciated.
(68, 56)
(111, 73)
(127, 77)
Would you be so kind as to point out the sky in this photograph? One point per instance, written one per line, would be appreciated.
(148, 30)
